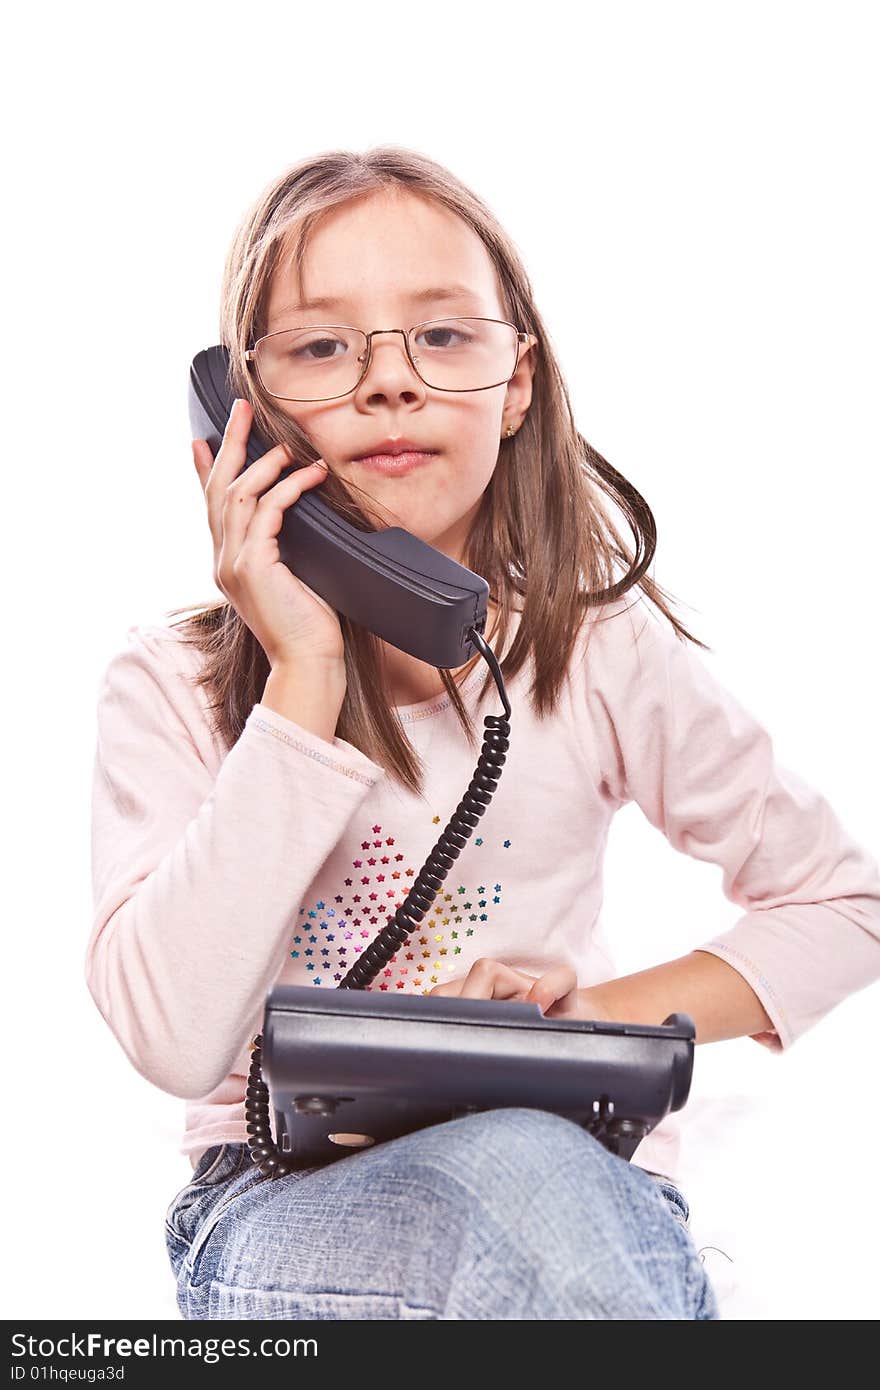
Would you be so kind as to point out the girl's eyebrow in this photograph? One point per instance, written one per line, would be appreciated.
(415, 297)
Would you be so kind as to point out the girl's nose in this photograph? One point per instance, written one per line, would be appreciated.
(389, 361)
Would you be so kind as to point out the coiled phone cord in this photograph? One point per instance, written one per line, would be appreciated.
(264, 1152)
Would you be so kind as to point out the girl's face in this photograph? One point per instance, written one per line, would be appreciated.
(371, 257)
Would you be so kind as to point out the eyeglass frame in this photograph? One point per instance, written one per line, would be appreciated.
(522, 337)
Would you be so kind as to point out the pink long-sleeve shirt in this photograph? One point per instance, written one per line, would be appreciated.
(218, 872)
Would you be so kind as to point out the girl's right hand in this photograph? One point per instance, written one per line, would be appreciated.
(291, 623)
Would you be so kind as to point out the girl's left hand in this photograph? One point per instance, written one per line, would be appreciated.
(556, 992)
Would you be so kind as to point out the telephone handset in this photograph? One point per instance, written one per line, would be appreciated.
(465, 1054)
(406, 592)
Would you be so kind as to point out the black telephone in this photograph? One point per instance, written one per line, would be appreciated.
(384, 1049)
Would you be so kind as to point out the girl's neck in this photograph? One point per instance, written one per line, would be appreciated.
(411, 681)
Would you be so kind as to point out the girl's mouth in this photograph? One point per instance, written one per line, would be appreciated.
(396, 464)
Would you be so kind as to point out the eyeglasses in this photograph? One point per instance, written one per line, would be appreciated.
(324, 362)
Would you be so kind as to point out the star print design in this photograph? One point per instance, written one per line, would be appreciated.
(331, 935)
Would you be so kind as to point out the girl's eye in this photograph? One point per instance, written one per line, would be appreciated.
(440, 337)
(315, 350)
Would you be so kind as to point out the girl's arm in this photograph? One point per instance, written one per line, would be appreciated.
(663, 732)
(717, 997)
(201, 857)
(720, 1002)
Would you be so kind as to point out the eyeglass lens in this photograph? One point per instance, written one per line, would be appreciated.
(319, 362)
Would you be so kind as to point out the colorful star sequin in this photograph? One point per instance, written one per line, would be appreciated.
(324, 946)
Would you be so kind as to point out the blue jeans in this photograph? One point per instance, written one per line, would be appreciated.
(504, 1214)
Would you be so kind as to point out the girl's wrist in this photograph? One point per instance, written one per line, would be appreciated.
(592, 1006)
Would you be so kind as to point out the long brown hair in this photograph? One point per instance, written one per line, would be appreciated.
(550, 572)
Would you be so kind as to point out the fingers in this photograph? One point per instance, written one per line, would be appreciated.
(250, 525)
(558, 982)
(238, 426)
(233, 446)
(232, 454)
(217, 474)
(233, 492)
(492, 979)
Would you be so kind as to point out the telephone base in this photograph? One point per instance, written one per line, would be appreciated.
(348, 1069)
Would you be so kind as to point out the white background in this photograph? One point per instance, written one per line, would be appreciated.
(693, 190)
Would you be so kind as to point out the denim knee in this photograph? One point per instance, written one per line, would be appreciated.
(510, 1213)
(511, 1151)
(574, 1231)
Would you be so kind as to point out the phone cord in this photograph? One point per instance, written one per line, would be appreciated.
(264, 1152)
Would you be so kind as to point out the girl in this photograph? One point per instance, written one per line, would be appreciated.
(269, 778)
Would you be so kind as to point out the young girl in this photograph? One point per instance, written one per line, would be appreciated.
(270, 778)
